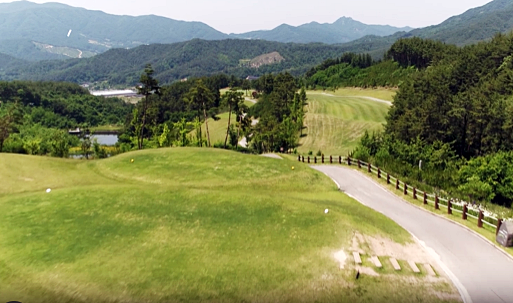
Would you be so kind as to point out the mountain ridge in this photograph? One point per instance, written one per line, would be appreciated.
(94, 31)
(344, 29)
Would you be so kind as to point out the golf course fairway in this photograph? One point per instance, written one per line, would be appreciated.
(189, 225)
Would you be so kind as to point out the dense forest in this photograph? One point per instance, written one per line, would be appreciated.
(456, 116)
(196, 58)
(35, 116)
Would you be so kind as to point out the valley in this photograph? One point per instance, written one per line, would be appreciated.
(149, 159)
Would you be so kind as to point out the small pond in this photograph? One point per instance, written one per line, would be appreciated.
(108, 139)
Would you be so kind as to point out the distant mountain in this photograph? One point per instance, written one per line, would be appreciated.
(341, 31)
(36, 32)
(91, 31)
(176, 61)
(475, 25)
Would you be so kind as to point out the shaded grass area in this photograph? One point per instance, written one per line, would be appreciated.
(335, 124)
(183, 225)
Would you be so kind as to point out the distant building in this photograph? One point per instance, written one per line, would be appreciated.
(251, 78)
(115, 93)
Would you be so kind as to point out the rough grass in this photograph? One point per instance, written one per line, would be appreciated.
(335, 124)
(183, 225)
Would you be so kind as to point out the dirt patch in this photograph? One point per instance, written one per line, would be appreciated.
(341, 257)
(383, 247)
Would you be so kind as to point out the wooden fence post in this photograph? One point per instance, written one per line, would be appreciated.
(449, 207)
(308, 159)
(303, 158)
(339, 159)
(388, 178)
(379, 173)
(369, 167)
(414, 193)
(331, 159)
(315, 159)
(299, 158)
(323, 158)
(405, 188)
(349, 161)
(499, 224)
(425, 198)
(480, 219)
(397, 184)
(436, 202)
(465, 210)
(359, 164)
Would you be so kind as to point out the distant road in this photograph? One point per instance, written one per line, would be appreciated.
(481, 272)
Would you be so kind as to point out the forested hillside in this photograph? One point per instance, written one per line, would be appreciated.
(477, 24)
(35, 116)
(171, 62)
(456, 116)
(93, 31)
(404, 58)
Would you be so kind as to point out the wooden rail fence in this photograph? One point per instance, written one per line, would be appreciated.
(433, 199)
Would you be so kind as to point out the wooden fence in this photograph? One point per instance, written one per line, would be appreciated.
(465, 209)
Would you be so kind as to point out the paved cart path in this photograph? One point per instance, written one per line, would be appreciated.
(481, 272)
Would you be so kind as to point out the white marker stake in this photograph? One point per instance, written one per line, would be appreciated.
(69, 33)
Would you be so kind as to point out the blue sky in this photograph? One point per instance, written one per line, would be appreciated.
(236, 16)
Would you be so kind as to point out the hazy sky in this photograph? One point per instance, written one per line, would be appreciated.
(236, 16)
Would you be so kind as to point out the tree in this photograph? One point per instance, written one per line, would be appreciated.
(233, 99)
(246, 85)
(200, 98)
(7, 121)
(149, 87)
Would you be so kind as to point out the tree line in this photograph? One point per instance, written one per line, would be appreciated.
(455, 115)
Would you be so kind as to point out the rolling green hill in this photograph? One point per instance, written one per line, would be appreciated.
(341, 31)
(191, 225)
(176, 61)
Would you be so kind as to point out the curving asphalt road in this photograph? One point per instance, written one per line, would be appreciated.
(482, 273)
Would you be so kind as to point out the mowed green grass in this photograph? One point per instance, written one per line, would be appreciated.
(217, 129)
(335, 122)
(386, 94)
(183, 225)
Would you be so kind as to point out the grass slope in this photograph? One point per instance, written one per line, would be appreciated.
(336, 121)
(183, 225)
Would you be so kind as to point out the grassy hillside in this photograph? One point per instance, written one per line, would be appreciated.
(335, 121)
(186, 225)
